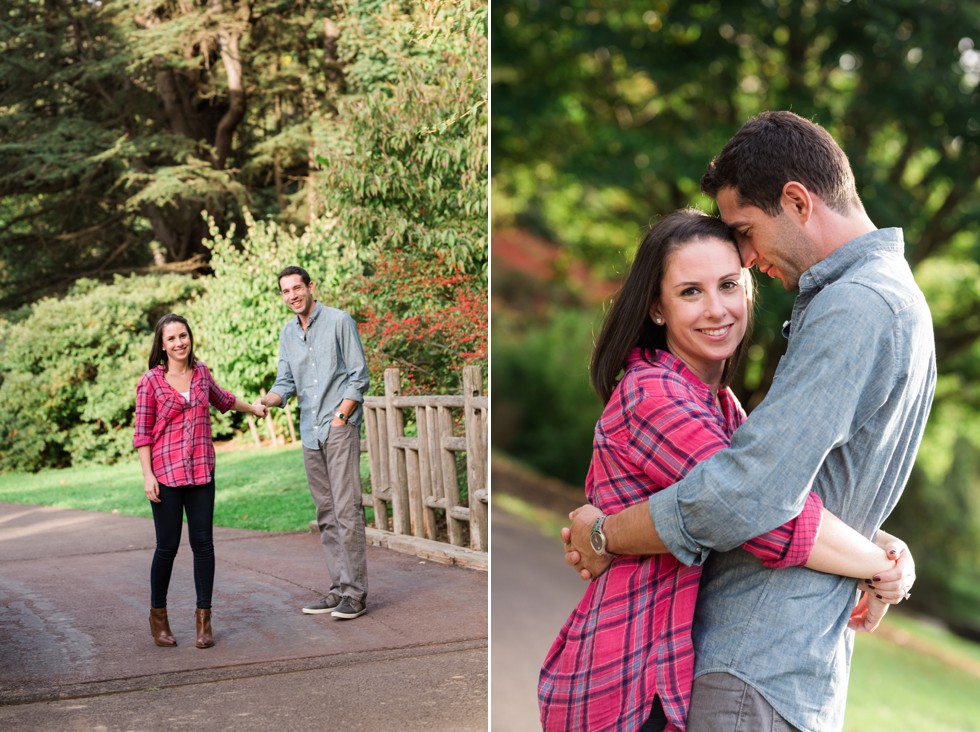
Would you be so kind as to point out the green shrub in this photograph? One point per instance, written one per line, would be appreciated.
(544, 409)
(71, 366)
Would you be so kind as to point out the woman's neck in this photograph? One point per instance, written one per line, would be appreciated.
(709, 374)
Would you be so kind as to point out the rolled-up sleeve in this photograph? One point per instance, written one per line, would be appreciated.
(790, 545)
(145, 414)
(828, 384)
(358, 377)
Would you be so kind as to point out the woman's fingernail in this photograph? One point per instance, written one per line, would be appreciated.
(879, 597)
(868, 583)
(877, 578)
(892, 552)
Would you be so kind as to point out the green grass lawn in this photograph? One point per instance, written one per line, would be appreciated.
(262, 489)
(913, 676)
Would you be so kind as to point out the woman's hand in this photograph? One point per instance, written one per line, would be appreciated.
(893, 585)
(259, 409)
(151, 488)
(578, 548)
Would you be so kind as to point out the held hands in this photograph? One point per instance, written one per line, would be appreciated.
(895, 584)
(885, 588)
(259, 409)
(578, 548)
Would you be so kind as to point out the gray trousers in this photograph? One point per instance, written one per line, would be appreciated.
(724, 703)
(333, 473)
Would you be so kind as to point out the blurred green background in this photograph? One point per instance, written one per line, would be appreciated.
(604, 116)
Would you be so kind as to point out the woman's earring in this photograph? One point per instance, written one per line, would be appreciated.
(658, 321)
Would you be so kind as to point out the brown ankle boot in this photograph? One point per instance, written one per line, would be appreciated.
(160, 627)
(204, 637)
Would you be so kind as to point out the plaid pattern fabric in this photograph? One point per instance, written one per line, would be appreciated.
(179, 429)
(629, 639)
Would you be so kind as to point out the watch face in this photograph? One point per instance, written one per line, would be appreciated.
(597, 543)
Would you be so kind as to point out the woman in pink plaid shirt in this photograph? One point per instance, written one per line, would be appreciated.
(173, 439)
(624, 659)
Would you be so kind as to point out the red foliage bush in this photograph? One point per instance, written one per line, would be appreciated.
(425, 317)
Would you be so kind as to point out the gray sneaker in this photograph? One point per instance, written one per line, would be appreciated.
(326, 605)
(349, 609)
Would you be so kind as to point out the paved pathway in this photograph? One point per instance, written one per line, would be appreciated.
(76, 653)
(533, 593)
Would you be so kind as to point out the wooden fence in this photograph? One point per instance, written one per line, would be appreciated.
(428, 461)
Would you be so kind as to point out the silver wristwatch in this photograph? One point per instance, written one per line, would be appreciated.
(597, 538)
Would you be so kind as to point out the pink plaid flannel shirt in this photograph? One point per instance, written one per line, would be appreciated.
(179, 430)
(629, 639)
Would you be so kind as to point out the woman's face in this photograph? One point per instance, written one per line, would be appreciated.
(703, 305)
(176, 342)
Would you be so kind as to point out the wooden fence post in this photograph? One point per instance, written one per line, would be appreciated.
(289, 421)
(476, 457)
(395, 423)
(271, 425)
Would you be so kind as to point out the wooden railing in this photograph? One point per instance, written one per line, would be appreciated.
(428, 462)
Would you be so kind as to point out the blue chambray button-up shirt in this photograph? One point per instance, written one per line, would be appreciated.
(845, 416)
(322, 366)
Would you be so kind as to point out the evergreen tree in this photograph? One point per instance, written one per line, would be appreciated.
(122, 122)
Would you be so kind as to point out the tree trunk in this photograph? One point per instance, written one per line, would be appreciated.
(228, 43)
(178, 228)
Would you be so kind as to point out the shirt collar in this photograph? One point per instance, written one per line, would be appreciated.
(833, 267)
(667, 360)
(314, 314)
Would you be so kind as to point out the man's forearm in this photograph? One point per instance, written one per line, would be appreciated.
(632, 532)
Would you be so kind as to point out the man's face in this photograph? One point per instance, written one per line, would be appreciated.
(775, 245)
(297, 295)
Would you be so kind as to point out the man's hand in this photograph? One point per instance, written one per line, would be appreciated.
(578, 547)
(259, 409)
(867, 614)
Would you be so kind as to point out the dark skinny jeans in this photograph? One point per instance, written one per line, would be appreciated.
(657, 720)
(168, 517)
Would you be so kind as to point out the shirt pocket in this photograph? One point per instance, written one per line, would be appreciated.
(170, 405)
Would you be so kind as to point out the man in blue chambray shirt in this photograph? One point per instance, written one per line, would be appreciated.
(844, 416)
(321, 360)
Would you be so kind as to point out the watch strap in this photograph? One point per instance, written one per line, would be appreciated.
(600, 535)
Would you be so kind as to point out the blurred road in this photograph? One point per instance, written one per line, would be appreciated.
(532, 591)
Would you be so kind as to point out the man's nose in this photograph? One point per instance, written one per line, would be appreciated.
(747, 254)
